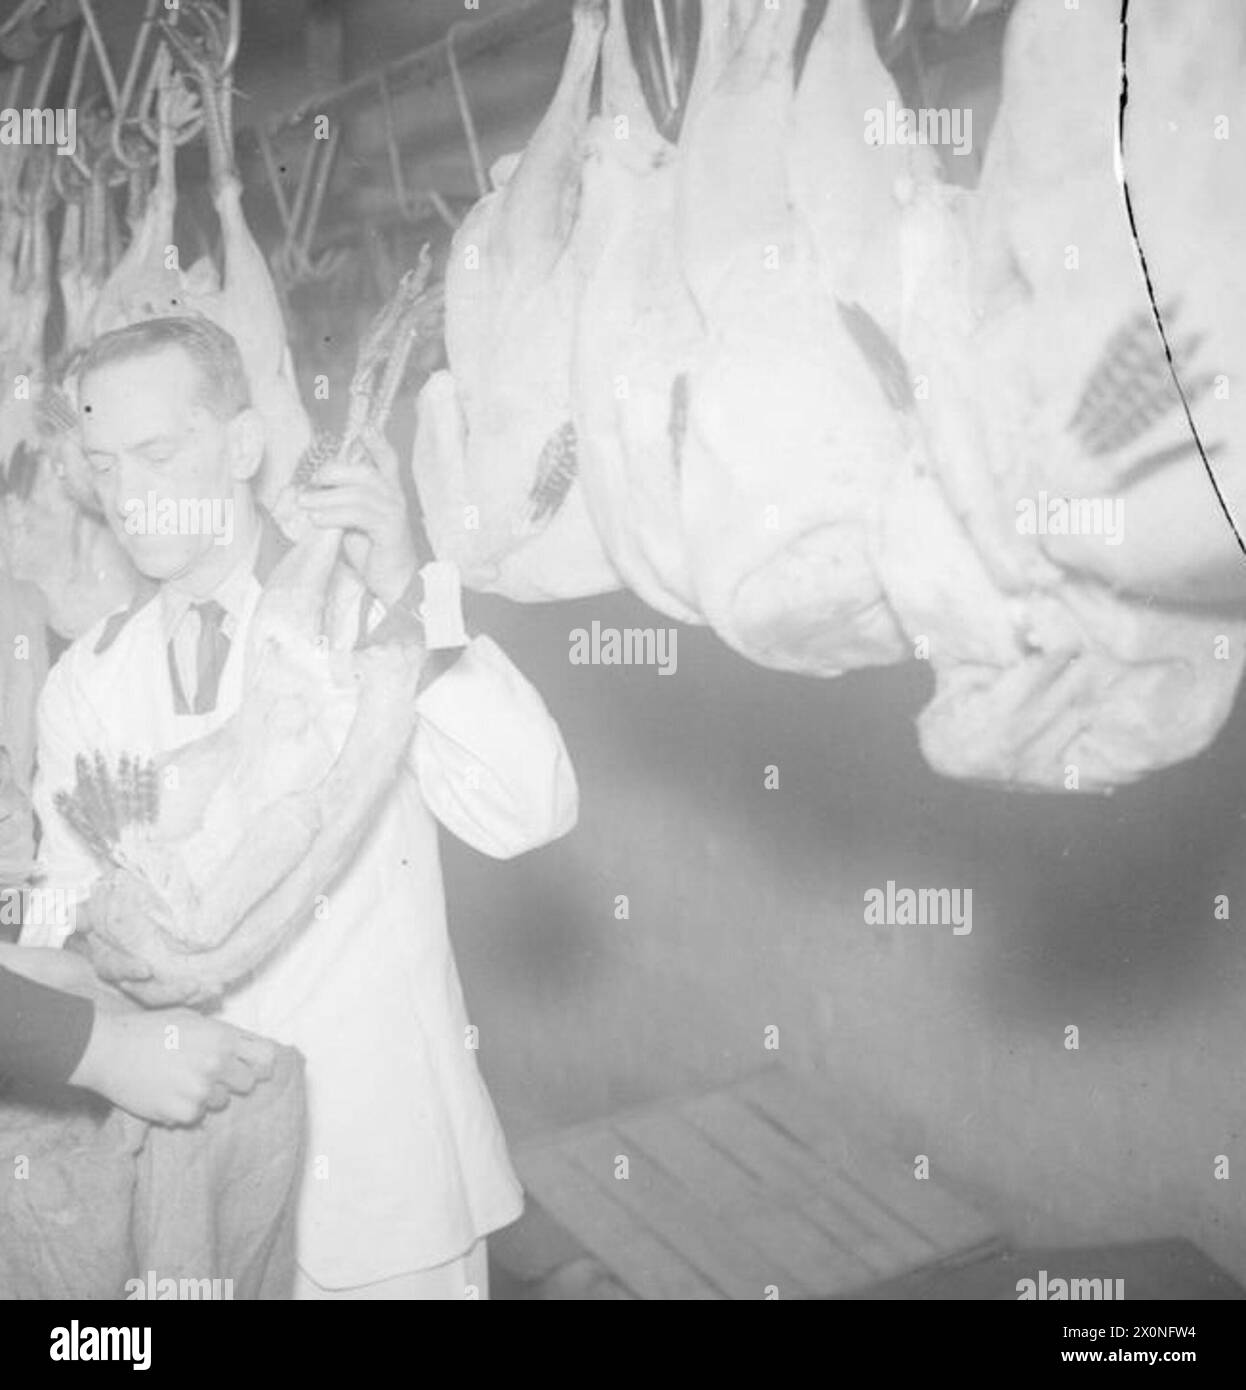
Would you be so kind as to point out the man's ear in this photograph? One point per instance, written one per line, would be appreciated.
(245, 434)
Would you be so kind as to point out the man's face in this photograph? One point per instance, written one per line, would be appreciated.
(155, 449)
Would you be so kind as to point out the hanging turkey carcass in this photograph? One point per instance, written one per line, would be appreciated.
(1186, 505)
(1046, 381)
(87, 255)
(81, 258)
(149, 281)
(496, 460)
(246, 305)
(792, 432)
(850, 188)
(25, 283)
(47, 537)
(637, 335)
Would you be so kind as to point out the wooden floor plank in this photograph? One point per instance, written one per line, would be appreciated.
(803, 1112)
(759, 1184)
(685, 1222)
(815, 1266)
(639, 1259)
(884, 1244)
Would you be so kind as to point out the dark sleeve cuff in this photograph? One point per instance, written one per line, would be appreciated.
(43, 1032)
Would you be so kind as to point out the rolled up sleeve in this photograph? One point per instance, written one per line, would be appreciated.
(489, 758)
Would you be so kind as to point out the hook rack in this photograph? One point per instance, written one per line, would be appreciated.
(15, 85)
(299, 222)
(147, 119)
(443, 210)
(127, 89)
(23, 12)
(664, 49)
(391, 145)
(235, 35)
(101, 53)
(49, 66)
(465, 110)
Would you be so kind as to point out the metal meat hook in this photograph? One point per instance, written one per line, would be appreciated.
(127, 89)
(299, 222)
(391, 146)
(465, 110)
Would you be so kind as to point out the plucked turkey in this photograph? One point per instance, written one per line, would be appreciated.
(1187, 98)
(792, 436)
(25, 289)
(149, 281)
(637, 334)
(496, 459)
(1045, 376)
(46, 536)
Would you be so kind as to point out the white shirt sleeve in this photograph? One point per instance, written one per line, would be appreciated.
(490, 761)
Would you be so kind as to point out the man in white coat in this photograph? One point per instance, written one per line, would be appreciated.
(407, 1169)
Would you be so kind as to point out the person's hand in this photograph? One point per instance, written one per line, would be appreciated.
(171, 1065)
(109, 960)
(368, 503)
(115, 966)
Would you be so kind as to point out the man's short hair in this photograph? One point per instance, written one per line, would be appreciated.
(223, 386)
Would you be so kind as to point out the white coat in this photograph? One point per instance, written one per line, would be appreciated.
(406, 1162)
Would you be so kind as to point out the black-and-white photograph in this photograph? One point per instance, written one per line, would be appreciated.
(621, 636)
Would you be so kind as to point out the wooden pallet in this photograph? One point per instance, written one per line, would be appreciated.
(753, 1191)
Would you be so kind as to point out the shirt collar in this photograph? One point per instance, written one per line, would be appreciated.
(232, 593)
(271, 546)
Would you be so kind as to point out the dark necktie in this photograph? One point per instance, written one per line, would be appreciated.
(210, 654)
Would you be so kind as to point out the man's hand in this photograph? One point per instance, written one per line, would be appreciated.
(368, 503)
(169, 1065)
(172, 1065)
(116, 966)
